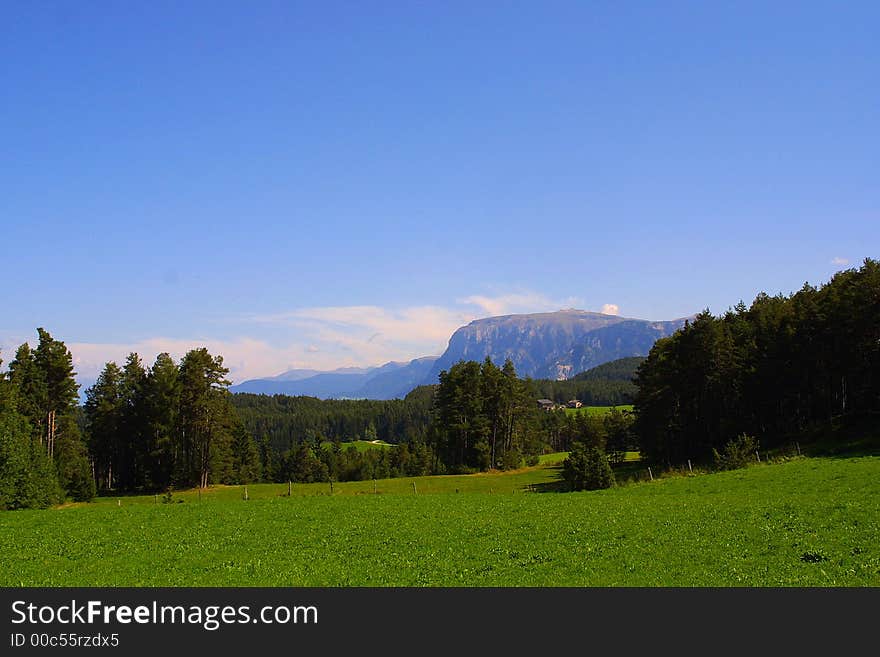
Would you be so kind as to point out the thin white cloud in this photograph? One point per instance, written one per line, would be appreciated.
(9, 344)
(519, 302)
(840, 262)
(245, 357)
(610, 309)
(417, 330)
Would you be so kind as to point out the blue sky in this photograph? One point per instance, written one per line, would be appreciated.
(331, 184)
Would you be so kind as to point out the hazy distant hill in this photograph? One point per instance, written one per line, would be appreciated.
(399, 382)
(553, 345)
(389, 381)
(623, 369)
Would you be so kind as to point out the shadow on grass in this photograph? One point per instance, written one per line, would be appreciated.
(549, 487)
(846, 437)
(557, 485)
(624, 473)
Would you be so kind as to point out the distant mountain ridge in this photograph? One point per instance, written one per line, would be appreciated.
(555, 345)
(388, 381)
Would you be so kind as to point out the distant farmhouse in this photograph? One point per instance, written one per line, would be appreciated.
(550, 405)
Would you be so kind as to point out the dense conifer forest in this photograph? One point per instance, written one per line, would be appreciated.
(771, 371)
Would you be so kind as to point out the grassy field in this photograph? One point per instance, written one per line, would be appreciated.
(806, 522)
(359, 445)
(492, 482)
(597, 410)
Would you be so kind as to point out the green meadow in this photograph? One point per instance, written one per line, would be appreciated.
(359, 445)
(598, 411)
(803, 522)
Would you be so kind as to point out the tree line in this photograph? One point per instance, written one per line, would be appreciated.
(772, 371)
(283, 422)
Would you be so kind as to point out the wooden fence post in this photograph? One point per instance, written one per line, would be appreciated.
(415, 491)
(689, 466)
(650, 474)
(288, 488)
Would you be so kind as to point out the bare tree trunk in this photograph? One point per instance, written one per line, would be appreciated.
(50, 434)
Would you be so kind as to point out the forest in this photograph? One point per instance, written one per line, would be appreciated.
(284, 421)
(770, 373)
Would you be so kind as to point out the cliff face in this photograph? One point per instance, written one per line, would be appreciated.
(552, 345)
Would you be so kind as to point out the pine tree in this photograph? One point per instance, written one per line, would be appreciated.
(493, 387)
(103, 410)
(587, 468)
(162, 402)
(133, 438)
(31, 394)
(617, 432)
(47, 395)
(246, 464)
(27, 474)
(204, 417)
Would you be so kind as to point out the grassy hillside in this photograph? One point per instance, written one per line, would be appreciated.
(806, 522)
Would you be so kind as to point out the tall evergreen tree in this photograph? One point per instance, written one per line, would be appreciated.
(31, 394)
(246, 464)
(104, 410)
(162, 402)
(133, 444)
(47, 395)
(204, 417)
(27, 474)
